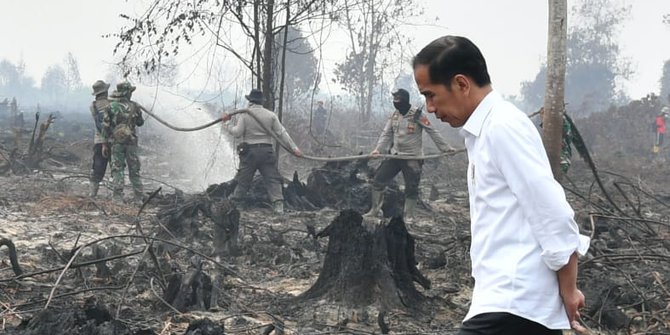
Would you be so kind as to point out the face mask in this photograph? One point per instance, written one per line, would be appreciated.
(402, 107)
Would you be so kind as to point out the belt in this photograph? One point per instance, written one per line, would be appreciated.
(259, 145)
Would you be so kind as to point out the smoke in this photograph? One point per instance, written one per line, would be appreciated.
(190, 161)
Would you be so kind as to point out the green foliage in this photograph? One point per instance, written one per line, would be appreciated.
(54, 81)
(301, 65)
(376, 43)
(14, 82)
(594, 63)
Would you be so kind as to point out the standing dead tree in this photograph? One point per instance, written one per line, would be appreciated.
(554, 102)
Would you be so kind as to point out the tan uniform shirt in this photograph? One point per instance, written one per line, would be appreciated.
(98, 108)
(404, 134)
(247, 128)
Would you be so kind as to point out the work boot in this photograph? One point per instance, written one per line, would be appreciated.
(377, 202)
(278, 206)
(410, 205)
(93, 188)
(138, 197)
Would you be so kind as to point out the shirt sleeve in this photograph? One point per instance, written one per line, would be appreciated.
(281, 132)
(522, 160)
(236, 126)
(386, 137)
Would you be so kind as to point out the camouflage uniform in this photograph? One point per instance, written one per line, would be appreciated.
(98, 108)
(119, 128)
(404, 135)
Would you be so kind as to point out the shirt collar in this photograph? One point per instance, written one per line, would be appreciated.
(476, 120)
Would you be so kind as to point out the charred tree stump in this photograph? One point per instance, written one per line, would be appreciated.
(226, 220)
(191, 291)
(204, 327)
(368, 265)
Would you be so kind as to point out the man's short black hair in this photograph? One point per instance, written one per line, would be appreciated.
(448, 56)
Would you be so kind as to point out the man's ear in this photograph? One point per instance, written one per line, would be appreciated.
(461, 83)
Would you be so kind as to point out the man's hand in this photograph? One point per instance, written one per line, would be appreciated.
(297, 152)
(374, 153)
(573, 301)
(105, 150)
(225, 117)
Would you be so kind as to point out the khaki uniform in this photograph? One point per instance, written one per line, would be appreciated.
(255, 150)
(98, 109)
(403, 135)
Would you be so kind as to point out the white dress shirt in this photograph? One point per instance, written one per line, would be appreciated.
(522, 227)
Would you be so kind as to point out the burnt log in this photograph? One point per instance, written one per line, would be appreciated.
(11, 249)
(93, 318)
(204, 327)
(338, 185)
(366, 265)
(346, 185)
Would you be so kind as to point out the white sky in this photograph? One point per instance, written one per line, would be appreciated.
(510, 33)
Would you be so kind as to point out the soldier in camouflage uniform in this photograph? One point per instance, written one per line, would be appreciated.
(403, 133)
(119, 130)
(98, 108)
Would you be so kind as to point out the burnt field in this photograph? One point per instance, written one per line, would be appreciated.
(190, 262)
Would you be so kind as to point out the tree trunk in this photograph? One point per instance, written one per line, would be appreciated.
(368, 265)
(268, 73)
(257, 44)
(282, 81)
(554, 105)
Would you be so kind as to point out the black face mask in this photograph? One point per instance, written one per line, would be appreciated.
(402, 106)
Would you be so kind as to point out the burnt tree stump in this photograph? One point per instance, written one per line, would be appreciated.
(367, 265)
(190, 291)
(226, 220)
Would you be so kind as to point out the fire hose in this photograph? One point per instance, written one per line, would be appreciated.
(287, 148)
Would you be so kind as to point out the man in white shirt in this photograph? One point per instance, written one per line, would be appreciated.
(525, 241)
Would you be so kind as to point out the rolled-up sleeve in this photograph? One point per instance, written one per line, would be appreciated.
(236, 126)
(523, 162)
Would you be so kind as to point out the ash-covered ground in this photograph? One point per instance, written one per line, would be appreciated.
(59, 234)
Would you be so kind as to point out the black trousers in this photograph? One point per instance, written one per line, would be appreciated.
(99, 164)
(503, 324)
(389, 168)
(258, 157)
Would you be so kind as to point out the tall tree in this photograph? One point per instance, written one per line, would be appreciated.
(14, 82)
(665, 77)
(594, 62)
(300, 63)
(372, 27)
(72, 76)
(552, 120)
(54, 83)
(244, 29)
(665, 83)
